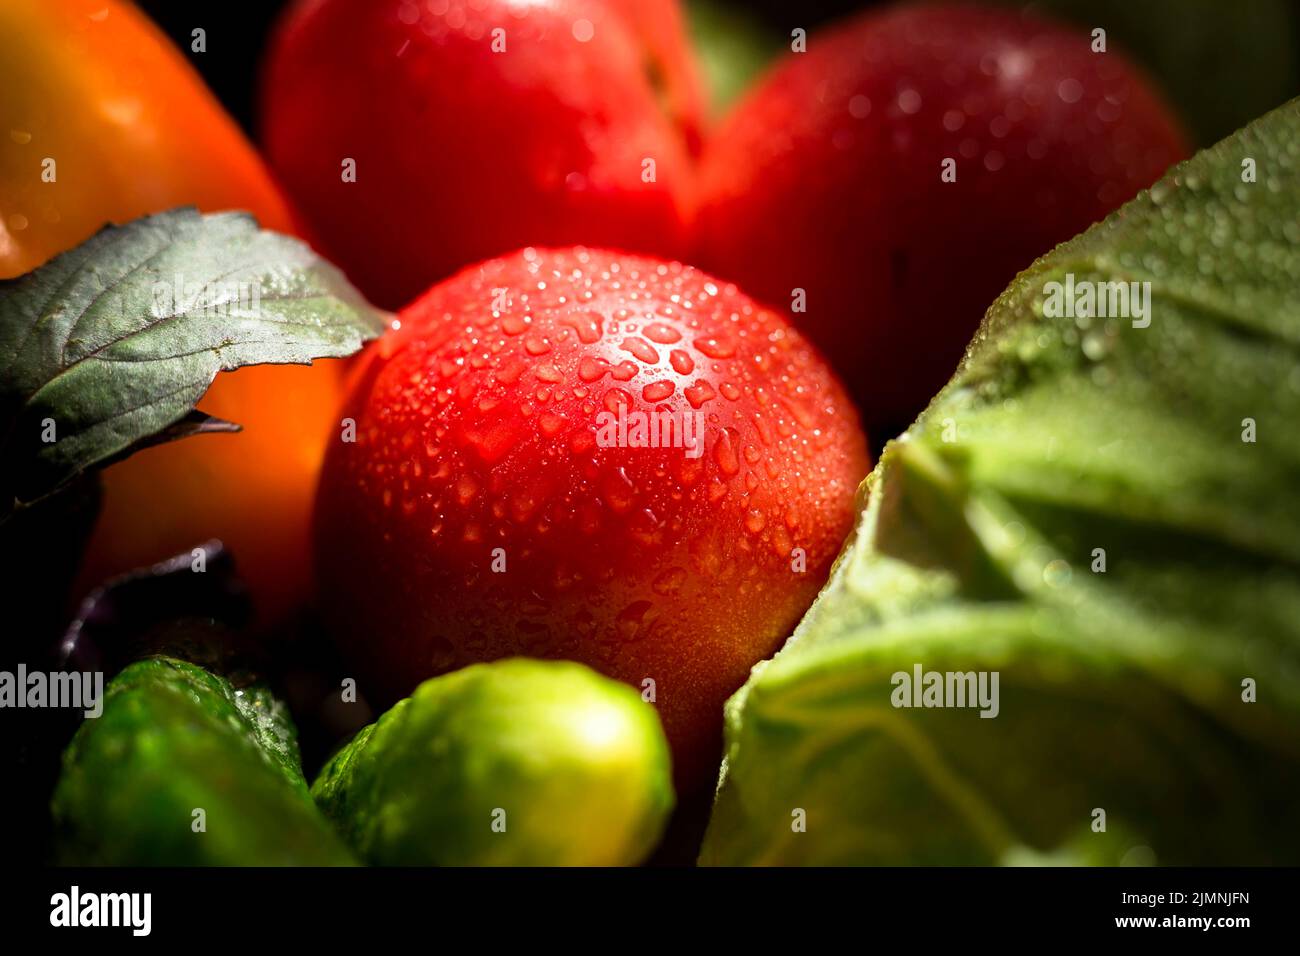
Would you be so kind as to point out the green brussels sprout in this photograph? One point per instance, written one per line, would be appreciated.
(1091, 540)
(517, 762)
(182, 769)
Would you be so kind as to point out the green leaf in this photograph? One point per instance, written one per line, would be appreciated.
(1062, 441)
(109, 346)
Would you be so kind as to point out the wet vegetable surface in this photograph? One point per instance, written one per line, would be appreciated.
(517, 763)
(1105, 513)
(174, 740)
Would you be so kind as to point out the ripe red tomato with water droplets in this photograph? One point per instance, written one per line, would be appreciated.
(906, 167)
(489, 505)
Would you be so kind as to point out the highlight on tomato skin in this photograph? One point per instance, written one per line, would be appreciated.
(491, 504)
(95, 89)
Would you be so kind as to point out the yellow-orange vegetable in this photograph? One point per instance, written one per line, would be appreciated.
(103, 120)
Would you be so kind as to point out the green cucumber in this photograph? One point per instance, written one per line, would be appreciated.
(182, 769)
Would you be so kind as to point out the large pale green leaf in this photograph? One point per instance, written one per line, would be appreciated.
(979, 550)
(110, 345)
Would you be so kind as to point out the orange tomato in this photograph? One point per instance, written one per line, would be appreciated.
(103, 120)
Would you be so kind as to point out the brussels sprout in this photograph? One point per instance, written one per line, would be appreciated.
(1101, 513)
(518, 762)
(182, 769)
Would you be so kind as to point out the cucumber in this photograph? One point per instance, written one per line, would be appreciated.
(182, 769)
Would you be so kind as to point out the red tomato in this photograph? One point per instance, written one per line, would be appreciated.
(489, 506)
(830, 178)
(479, 127)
